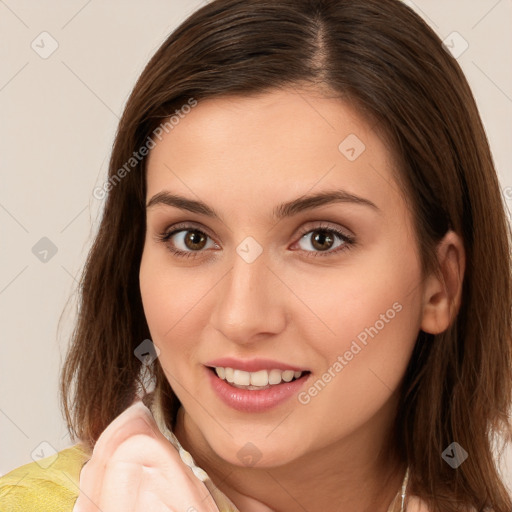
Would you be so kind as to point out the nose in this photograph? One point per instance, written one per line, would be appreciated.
(248, 304)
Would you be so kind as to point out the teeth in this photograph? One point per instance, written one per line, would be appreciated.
(288, 375)
(259, 378)
(229, 374)
(253, 380)
(274, 377)
(242, 378)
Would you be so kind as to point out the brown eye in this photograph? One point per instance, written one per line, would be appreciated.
(195, 240)
(323, 239)
(189, 242)
(185, 241)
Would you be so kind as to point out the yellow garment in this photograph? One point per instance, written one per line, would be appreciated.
(32, 488)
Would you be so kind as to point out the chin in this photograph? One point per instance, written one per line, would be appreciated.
(259, 454)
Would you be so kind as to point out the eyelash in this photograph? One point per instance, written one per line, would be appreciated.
(349, 241)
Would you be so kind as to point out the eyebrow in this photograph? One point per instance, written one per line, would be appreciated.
(281, 211)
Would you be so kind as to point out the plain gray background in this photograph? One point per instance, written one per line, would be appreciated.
(59, 112)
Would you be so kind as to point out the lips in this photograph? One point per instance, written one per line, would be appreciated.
(253, 365)
(255, 400)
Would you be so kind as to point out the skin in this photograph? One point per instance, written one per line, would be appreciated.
(134, 468)
(243, 156)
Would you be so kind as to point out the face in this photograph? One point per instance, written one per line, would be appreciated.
(328, 287)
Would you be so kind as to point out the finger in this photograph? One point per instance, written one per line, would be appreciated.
(163, 473)
(87, 500)
(136, 423)
(121, 487)
(151, 489)
(156, 495)
(136, 419)
(153, 503)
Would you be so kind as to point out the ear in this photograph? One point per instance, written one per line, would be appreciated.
(442, 297)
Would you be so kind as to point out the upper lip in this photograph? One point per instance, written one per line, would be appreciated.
(252, 365)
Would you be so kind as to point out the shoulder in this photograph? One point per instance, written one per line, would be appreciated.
(49, 484)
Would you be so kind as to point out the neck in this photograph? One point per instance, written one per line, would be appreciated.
(359, 473)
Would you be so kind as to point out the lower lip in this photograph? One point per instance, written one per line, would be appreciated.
(246, 400)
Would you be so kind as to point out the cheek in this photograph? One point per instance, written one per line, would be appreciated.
(375, 319)
(174, 305)
(382, 309)
(375, 297)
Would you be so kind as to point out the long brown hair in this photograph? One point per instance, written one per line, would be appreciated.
(382, 57)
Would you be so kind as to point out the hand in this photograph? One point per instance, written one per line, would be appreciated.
(134, 468)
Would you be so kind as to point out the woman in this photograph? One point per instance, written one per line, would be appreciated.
(305, 251)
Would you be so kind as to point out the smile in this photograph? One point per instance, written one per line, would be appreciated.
(243, 396)
(262, 379)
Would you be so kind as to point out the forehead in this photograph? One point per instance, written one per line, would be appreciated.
(251, 150)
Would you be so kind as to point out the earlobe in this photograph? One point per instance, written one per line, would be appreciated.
(442, 295)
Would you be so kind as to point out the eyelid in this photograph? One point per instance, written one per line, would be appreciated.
(174, 229)
(319, 224)
(306, 228)
(184, 226)
(340, 232)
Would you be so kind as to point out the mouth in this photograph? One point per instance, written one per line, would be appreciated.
(260, 380)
